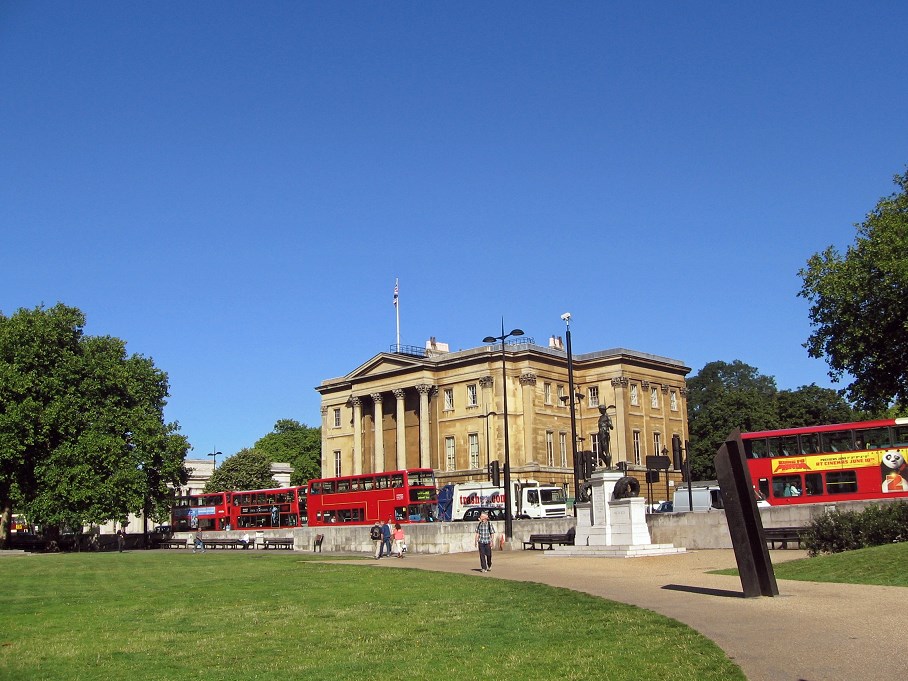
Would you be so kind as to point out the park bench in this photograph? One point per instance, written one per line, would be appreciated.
(550, 540)
(784, 535)
(317, 543)
(222, 543)
(277, 543)
(173, 543)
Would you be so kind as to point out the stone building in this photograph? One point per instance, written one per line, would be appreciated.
(438, 409)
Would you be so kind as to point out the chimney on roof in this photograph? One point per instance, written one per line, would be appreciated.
(556, 343)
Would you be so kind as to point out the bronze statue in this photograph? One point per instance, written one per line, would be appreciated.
(605, 425)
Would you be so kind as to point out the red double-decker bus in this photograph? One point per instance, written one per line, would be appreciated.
(407, 496)
(200, 512)
(841, 462)
(268, 508)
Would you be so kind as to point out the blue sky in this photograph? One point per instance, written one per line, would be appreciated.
(233, 187)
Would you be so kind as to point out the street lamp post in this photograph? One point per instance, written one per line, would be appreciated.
(570, 362)
(508, 516)
(488, 446)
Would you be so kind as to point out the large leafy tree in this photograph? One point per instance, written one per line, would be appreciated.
(247, 469)
(82, 434)
(724, 396)
(859, 306)
(297, 444)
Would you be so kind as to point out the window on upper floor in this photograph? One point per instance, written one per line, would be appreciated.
(635, 395)
(337, 418)
(472, 395)
(449, 399)
(593, 392)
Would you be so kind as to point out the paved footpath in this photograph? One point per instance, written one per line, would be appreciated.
(810, 632)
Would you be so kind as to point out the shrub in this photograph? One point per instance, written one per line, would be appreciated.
(848, 530)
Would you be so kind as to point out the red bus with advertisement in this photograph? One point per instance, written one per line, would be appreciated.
(406, 496)
(200, 512)
(840, 462)
(268, 508)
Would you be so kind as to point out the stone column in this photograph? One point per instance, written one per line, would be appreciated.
(401, 430)
(357, 435)
(378, 464)
(488, 399)
(324, 462)
(424, 426)
(528, 407)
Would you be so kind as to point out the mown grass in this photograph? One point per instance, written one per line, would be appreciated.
(240, 615)
(879, 565)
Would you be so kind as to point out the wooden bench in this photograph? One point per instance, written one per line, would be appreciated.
(543, 540)
(277, 543)
(222, 543)
(173, 543)
(784, 535)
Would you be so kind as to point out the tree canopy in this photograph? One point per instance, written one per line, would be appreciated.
(82, 433)
(297, 444)
(247, 469)
(723, 397)
(859, 306)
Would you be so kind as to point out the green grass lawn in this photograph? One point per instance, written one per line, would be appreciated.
(249, 615)
(881, 565)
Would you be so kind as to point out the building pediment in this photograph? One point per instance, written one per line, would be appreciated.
(384, 364)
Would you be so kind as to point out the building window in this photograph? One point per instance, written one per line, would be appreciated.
(594, 445)
(562, 442)
(337, 463)
(337, 418)
(449, 454)
(673, 400)
(474, 450)
(561, 394)
(547, 392)
(654, 397)
(449, 399)
(657, 444)
(594, 395)
(637, 457)
(472, 396)
(635, 395)
(550, 448)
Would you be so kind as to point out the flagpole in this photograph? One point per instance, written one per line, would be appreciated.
(397, 311)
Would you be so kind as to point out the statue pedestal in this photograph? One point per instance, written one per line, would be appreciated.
(612, 527)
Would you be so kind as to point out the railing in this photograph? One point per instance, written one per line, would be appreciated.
(413, 350)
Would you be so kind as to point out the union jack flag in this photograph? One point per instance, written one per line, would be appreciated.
(396, 289)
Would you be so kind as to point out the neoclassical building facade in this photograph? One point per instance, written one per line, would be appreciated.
(444, 410)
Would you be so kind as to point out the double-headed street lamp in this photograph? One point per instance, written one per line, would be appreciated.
(570, 362)
(508, 516)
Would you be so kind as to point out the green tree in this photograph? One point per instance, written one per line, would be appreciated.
(82, 433)
(859, 306)
(297, 444)
(246, 470)
(811, 405)
(721, 398)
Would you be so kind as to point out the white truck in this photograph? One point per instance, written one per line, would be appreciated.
(704, 498)
(529, 499)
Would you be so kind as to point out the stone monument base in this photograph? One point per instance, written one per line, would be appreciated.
(612, 528)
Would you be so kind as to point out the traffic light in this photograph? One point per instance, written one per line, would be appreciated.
(495, 473)
(676, 452)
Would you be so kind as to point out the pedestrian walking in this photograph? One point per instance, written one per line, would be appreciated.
(483, 541)
(375, 536)
(399, 539)
(121, 540)
(386, 537)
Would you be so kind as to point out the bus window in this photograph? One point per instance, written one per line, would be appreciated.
(789, 445)
(316, 488)
(773, 446)
(328, 487)
(382, 482)
(900, 436)
(841, 482)
(871, 438)
(397, 480)
(786, 486)
(756, 449)
(368, 483)
(343, 485)
(813, 483)
(810, 443)
(837, 441)
(764, 488)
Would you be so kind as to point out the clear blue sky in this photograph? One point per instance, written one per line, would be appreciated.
(233, 187)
